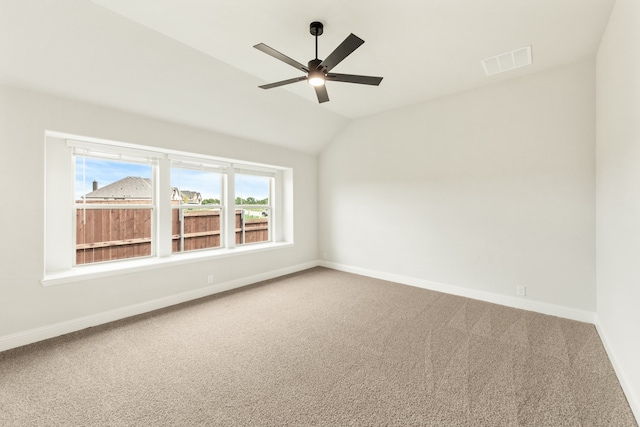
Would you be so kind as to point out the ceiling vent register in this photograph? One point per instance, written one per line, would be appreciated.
(507, 61)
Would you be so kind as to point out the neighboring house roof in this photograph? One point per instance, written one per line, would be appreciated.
(131, 187)
(192, 196)
(136, 188)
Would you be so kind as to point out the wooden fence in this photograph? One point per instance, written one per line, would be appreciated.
(111, 234)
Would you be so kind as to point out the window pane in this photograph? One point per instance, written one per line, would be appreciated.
(252, 219)
(195, 224)
(195, 187)
(252, 190)
(105, 234)
(110, 234)
(201, 229)
(112, 181)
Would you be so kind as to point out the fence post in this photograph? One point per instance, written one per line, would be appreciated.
(242, 241)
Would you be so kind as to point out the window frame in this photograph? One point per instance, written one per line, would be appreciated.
(61, 268)
(79, 149)
(242, 207)
(194, 164)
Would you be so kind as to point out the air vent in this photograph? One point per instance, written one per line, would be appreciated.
(507, 61)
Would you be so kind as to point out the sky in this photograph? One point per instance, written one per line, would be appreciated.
(205, 182)
(107, 171)
(252, 186)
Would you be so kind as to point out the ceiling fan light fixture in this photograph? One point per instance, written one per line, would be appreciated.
(316, 78)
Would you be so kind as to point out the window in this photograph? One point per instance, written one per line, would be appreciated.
(114, 221)
(113, 205)
(196, 207)
(253, 208)
(134, 202)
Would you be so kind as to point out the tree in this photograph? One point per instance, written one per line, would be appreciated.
(251, 201)
(211, 202)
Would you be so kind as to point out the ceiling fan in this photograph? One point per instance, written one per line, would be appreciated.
(318, 71)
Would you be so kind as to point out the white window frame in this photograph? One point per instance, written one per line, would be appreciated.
(81, 148)
(193, 163)
(59, 265)
(240, 170)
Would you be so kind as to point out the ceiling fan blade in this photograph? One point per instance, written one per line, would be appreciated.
(345, 49)
(351, 78)
(321, 92)
(284, 58)
(283, 82)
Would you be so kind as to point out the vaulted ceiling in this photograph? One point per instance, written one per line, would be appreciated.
(193, 61)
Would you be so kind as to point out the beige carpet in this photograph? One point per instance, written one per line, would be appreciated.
(319, 347)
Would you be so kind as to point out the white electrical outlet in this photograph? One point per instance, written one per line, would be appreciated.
(521, 290)
(324, 255)
(210, 279)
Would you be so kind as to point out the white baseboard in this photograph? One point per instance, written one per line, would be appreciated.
(632, 397)
(38, 334)
(50, 331)
(538, 307)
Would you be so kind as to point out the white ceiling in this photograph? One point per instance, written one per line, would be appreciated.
(193, 62)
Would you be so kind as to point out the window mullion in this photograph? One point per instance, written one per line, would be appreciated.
(270, 210)
(230, 208)
(164, 211)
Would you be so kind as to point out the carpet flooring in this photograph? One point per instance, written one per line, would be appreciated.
(318, 348)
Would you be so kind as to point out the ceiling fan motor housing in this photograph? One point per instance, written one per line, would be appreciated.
(314, 64)
(316, 28)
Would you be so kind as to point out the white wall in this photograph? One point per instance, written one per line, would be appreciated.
(618, 194)
(486, 190)
(24, 303)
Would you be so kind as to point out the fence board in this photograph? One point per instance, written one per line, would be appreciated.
(111, 234)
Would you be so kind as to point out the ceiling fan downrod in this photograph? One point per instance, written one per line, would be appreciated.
(316, 28)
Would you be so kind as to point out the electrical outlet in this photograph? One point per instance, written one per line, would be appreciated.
(521, 291)
(210, 279)
(324, 255)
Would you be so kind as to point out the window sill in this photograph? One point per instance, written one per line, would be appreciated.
(108, 269)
